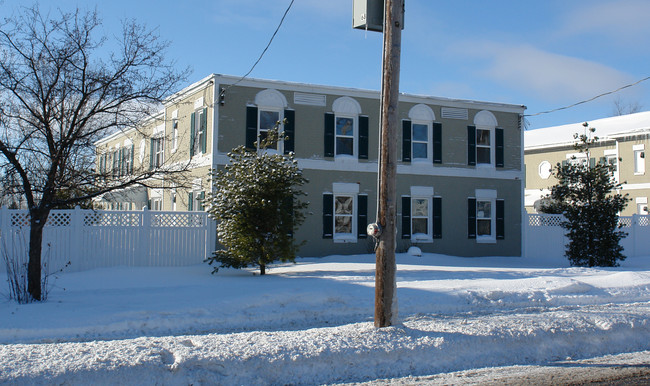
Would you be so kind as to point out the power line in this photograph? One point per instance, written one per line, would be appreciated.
(588, 100)
(263, 52)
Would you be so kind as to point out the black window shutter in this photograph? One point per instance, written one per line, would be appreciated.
(289, 131)
(363, 137)
(329, 135)
(501, 224)
(362, 216)
(406, 141)
(437, 217)
(471, 218)
(437, 143)
(328, 218)
(204, 128)
(471, 145)
(251, 127)
(499, 149)
(192, 133)
(406, 217)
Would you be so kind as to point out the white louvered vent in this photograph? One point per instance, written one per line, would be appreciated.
(301, 98)
(454, 113)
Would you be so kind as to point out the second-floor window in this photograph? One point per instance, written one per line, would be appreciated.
(344, 144)
(267, 121)
(639, 161)
(198, 132)
(157, 152)
(483, 146)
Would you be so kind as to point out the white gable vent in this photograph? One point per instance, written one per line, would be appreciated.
(454, 113)
(301, 98)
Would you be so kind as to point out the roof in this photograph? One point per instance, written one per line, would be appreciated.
(606, 128)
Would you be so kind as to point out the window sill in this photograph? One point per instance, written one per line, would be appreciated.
(638, 174)
(486, 240)
(421, 239)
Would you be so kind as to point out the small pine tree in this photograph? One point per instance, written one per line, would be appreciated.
(256, 203)
(584, 195)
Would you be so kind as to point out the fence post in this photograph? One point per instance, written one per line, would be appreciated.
(76, 256)
(146, 236)
(633, 229)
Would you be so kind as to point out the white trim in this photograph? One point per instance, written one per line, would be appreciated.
(485, 193)
(642, 200)
(422, 112)
(544, 170)
(422, 191)
(486, 119)
(175, 114)
(346, 106)
(610, 152)
(159, 130)
(345, 188)
(638, 147)
(271, 98)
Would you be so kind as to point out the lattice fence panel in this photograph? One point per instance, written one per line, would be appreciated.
(643, 221)
(112, 219)
(537, 220)
(19, 219)
(190, 220)
(625, 222)
(59, 219)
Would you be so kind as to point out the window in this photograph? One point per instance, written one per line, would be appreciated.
(485, 141)
(420, 141)
(544, 170)
(198, 132)
(173, 198)
(486, 217)
(639, 160)
(156, 203)
(346, 131)
(127, 160)
(611, 158)
(421, 215)
(115, 171)
(267, 121)
(344, 136)
(345, 213)
(483, 147)
(157, 152)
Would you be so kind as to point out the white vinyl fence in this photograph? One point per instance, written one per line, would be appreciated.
(545, 237)
(85, 239)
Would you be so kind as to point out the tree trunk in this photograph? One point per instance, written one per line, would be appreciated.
(262, 269)
(34, 272)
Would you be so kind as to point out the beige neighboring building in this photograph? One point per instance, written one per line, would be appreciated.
(623, 141)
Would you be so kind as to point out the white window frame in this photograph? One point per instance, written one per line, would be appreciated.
(486, 195)
(345, 190)
(544, 170)
(422, 193)
(491, 146)
(577, 159)
(612, 155)
(639, 159)
(429, 141)
(198, 133)
(354, 136)
(156, 199)
(280, 112)
(174, 131)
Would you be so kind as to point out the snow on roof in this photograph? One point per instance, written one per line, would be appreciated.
(605, 128)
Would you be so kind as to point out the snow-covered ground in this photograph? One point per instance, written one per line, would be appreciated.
(311, 322)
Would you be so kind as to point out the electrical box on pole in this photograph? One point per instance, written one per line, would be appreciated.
(369, 15)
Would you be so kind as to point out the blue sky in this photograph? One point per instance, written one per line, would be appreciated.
(545, 54)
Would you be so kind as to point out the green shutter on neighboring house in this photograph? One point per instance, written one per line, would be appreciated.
(362, 216)
(251, 127)
(437, 217)
(500, 220)
(204, 129)
(406, 141)
(499, 149)
(289, 131)
(201, 198)
(190, 201)
(329, 135)
(328, 217)
(192, 134)
(406, 217)
(471, 218)
(132, 152)
(363, 137)
(471, 145)
(151, 154)
(437, 143)
(592, 163)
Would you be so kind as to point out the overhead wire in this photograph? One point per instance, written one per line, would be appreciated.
(223, 91)
(588, 100)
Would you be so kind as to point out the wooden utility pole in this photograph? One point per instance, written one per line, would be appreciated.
(385, 283)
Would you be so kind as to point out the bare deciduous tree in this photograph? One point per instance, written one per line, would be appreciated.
(622, 107)
(61, 89)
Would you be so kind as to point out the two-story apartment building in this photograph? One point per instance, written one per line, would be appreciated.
(460, 174)
(623, 142)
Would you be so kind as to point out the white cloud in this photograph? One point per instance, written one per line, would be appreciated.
(627, 19)
(542, 74)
